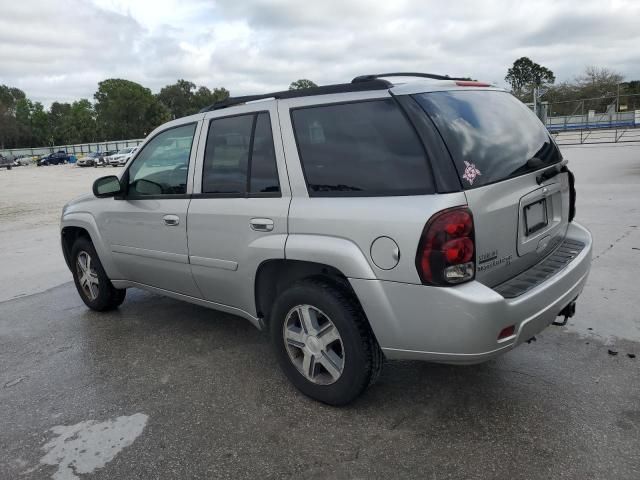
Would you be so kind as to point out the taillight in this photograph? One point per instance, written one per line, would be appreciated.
(446, 252)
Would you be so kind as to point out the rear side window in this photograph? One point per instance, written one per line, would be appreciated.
(240, 157)
(264, 173)
(491, 135)
(226, 157)
(360, 149)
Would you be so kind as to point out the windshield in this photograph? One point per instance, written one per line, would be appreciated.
(491, 135)
(125, 151)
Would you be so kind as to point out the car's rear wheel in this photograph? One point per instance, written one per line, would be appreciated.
(92, 283)
(323, 342)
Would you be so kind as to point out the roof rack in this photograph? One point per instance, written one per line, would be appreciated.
(360, 86)
(368, 78)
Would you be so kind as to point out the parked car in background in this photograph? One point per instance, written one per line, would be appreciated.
(5, 162)
(57, 158)
(22, 161)
(122, 157)
(103, 160)
(89, 159)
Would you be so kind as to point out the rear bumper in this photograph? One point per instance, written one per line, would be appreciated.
(461, 324)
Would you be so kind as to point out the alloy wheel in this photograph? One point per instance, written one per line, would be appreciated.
(87, 275)
(314, 344)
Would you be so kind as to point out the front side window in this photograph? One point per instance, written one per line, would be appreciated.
(162, 166)
(360, 149)
(239, 157)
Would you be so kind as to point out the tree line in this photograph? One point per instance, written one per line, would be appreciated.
(597, 88)
(122, 109)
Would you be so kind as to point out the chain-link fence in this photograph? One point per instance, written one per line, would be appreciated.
(606, 119)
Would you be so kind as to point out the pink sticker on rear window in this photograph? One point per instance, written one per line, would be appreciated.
(470, 172)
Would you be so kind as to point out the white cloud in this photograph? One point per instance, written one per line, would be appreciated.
(61, 50)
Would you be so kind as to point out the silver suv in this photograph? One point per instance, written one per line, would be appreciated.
(428, 220)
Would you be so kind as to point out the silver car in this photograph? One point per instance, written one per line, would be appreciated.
(121, 158)
(430, 220)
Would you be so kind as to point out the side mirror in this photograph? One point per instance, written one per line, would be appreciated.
(108, 186)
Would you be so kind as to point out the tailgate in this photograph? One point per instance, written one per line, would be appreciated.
(517, 223)
(500, 150)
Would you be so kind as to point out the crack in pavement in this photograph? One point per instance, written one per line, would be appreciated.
(617, 240)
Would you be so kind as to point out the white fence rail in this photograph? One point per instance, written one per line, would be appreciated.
(76, 150)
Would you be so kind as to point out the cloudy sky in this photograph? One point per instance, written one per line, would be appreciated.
(60, 49)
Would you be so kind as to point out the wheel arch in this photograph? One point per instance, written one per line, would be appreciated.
(274, 276)
(78, 224)
(69, 235)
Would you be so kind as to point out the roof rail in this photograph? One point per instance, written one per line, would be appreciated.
(364, 85)
(368, 78)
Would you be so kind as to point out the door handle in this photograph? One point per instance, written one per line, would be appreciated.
(261, 224)
(171, 220)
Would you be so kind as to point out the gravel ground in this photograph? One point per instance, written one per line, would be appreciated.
(163, 389)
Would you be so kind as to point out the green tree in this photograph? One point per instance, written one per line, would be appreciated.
(126, 109)
(525, 75)
(31, 123)
(40, 127)
(81, 122)
(205, 97)
(178, 98)
(23, 121)
(9, 127)
(632, 87)
(302, 83)
(60, 126)
(182, 98)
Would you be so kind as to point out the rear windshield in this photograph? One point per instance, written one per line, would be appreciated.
(365, 148)
(491, 135)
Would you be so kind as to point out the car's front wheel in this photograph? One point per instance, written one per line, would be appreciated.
(323, 342)
(92, 283)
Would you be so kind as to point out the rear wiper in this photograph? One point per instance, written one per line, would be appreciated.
(547, 174)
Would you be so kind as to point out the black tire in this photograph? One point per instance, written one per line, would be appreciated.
(363, 358)
(107, 297)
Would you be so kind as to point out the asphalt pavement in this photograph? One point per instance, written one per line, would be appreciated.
(161, 389)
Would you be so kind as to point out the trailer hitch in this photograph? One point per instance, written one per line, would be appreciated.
(567, 312)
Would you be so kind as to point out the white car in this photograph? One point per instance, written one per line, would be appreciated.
(122, 157)
(89, 160)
